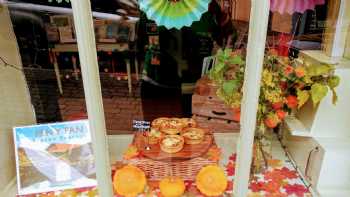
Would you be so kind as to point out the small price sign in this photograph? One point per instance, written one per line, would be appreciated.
(141, 125)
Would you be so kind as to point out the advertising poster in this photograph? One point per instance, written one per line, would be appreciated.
(51, 157)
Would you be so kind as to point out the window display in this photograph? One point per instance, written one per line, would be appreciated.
(182, 98)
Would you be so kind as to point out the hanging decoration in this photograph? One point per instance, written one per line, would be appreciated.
(174, 13)
(59, 1)
(291, 6)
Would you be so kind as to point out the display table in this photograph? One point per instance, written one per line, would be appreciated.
(107, 47)
(280, 179)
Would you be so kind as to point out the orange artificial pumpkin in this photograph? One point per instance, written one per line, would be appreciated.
(172, 187)
(211, 180)
(129, 181)
(68, 193)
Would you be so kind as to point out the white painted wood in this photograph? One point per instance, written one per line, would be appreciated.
(57, 72)
(328, 120)
(259, 17)
(15, 103)
(341, 30)
(128, 71)
(93, 96)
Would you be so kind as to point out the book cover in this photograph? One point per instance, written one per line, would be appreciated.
(51, 157)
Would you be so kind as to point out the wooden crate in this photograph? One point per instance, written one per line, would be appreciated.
(211, 106)
(217, 125)
(206, 103)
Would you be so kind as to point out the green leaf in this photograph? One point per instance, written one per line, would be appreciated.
(318, 92)
(334, 97)
(317, 70)
(218, 67)
(333, 82)
(236, 60)
(230, 86)
(303, 97)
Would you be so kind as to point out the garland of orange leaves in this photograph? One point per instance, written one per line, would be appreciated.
(286, 85)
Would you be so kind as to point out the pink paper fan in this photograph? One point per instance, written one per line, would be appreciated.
(291, 6)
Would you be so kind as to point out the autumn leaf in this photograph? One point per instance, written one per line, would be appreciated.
(318, 92)
(130, 152)
(274, 163)
(271, 187)
(334, 81)
(317, 70)
(233, 157)
(214, 153)
(334, 97)
(296, 189)
(256, 186)
(303, 97)
(275, 176)
(290, 174)
(255, 194)
(230, 169)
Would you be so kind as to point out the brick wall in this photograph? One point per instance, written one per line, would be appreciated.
(120, 107)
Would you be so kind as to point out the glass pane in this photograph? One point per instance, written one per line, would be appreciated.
(172, 94)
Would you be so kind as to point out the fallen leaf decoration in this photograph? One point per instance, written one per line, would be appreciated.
(275, 163)
(271, 187)
(289, 174)
(131, 152)
(256, 186)
(296, 189)
(214, 154)
(275, 176)
(255, 194)
(233, 157)
(230, 169)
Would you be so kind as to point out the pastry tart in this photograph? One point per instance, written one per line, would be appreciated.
(193, 135)
(153, 137)
(159, 121)
(189, 122)
(172, 126)
(172, 143)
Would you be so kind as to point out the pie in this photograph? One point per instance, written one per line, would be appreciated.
(153, 136)
(172, 143)
(159, 121)
(193, 135)
(189, 122)
(172, 126)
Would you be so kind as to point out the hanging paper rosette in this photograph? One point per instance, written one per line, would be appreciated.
(174, 13)
(291, 6)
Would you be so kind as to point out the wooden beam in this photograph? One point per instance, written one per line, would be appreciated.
(337, 25)
(259, 17)
(93, 96)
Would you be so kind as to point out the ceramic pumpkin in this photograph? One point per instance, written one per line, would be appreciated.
(129, 181)
(172, 187)
(211, 180)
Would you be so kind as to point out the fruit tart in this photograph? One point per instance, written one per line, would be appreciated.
(153, 137)
(189, 122)
(193, 135)
(172, 143)
(172, 126)
(159, 121)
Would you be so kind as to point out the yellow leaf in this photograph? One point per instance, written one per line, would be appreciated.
(303, 97)
(274, 163)
(318, 92)
(255, 194)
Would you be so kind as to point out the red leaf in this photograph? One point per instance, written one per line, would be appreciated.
(290, 174)
(297, 189)
(230, 169)
(256, 186)
(233, 157)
